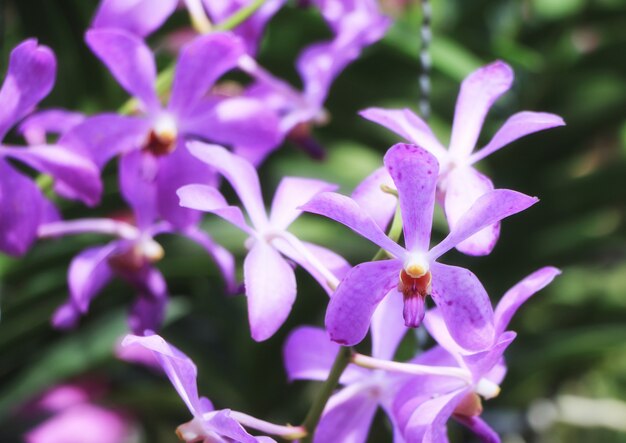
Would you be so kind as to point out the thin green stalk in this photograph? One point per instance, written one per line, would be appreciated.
(315, 412)
(240, 16)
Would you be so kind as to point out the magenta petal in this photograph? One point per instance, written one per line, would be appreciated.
(415, 172)
(221, 423)
(89, 272)
(464, 305)
(351, 307)
(346, 211)
(427, 423)
(480, 364)
(37, 126)
(208, 199)
(130, 61)
(478, 92)
(518, 126)
(408, 125)
(239, 173)
(65, 316)
(137, 175)
(479, 427)
(148, 311)
(487, 210)
(29, 79)
(387, 327)
(270, 288)
(463, 186)
(381, 206)
(200, 64)
(518, 294)
(139, 17)
(293, 192)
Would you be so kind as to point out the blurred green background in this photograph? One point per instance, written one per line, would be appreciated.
(567, 377)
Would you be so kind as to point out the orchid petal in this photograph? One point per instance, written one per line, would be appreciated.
(464, 304)
(517, 126)
(478, 93)
(223, 424)
(480, 428)
(347, 212)
(139, 17)
(380, 205)
(518, 294)
(239, 173)
(487, 210)
(130, 61)
(137, 175)
(427, 424)
(408, 125)
(29, 78)
(89, 272)
(414, 171)
(37, 126)
(481, 363)
(351, 307)
(270, 288)
(387, 328)
(148, 311)
(293, 192)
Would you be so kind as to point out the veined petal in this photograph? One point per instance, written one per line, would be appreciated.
(518, 294)
(129, 60)
(208, 199)
(351, 307)
(270, 288)
(517, 126)
(487, 210)
(35, 127)
(347, 212)
(139, 17)
(414, 171)
(89, 272)
(239, 173)
(388, 328)
(464, 305)
(480, 428)
(29, 78)
(200, 64)
(463, 186)
(478, 93)
(408, 125)
(293, 192)
(380, 205)
(178, 367)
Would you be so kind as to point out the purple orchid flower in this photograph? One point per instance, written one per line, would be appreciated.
(154, 162)
(29, 79)
(414, 272)
(269, 278)
(131, 256)
(355, 24)
(460, 184)
(424, 404)
(208, 425)
(309, 355)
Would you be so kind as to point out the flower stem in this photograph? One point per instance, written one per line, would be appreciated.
(410, 368)
(315, 412)
(240, 16)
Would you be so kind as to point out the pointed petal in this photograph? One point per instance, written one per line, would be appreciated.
(408, 125)
(517, 126)
(78, 175)
(480, 428)
(89, 272)
(347, 212)
(465, 306)
(387, 327)
(139, 17)
(22, 209)
(179, 368)
(487, 210)
(463, 186)
(37, 126)
(65, 317)
(293, 192)
(381, 206)
(309, 354)
(129, 60)
(478, 93)
(518, 294)
(29, 78)
(415, 172)
(351, 307)
(208, 199)
(270, 288)
(239, 173)
(200, 64)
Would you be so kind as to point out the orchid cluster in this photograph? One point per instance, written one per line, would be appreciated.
(185, 132)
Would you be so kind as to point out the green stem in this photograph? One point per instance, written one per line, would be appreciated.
(315, 412)
(240, 16)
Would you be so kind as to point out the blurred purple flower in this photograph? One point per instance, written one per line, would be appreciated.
(414, 273)
(460, 184)
(23, 207)
(131, 256)
(424, 404)
(269, 277)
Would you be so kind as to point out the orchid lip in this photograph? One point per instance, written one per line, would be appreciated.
(487, 389)
(416, 265)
